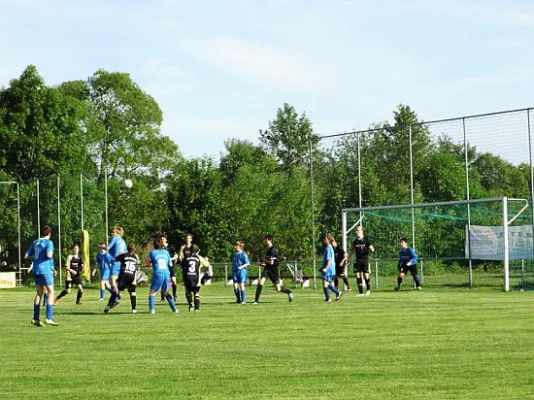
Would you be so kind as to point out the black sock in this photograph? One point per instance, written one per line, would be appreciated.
(284, 290)
(368, 283)
(258, 293)
(346, 281)
(336, 282)
(112, 299)
(63, 293)
(360, 285)
(79, 296)
(162, 295)
(174, 291)
(133, 301)
(189, 298)
(399, 281)
(197, 303)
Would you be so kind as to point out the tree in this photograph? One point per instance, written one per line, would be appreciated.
(288, 138)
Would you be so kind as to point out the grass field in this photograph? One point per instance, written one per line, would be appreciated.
(423, 345)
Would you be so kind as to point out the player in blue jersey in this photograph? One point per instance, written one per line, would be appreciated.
(42, 252)
(240, 262)
(407, 262)
(328, 269)
(105, 263)
(161, 276)
(116, 247)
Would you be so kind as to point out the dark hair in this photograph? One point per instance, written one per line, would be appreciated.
(404, 240)
(269, 238)
(131, 247)
(103, 245)
(75, 245)
(163, 236)
(46, 230)
(195, 249)
(157, 244)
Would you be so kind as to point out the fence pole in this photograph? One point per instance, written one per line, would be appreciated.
(359, 180)
(506, 257)
(313, 216)
(59, 227)
(531, 175)
(38, 211)
(106, 202)
(19, 223)
(467, 194)
(412, 197)
(81, 199)
(376, 274)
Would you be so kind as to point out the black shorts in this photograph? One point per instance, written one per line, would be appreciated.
(126, 283)
(405, 268)
(173, 271)
(74, 281)
(361, 266)
(340, 270)
(271, 273)
(191, 284)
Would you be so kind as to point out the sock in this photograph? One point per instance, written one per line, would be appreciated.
(133, 300)
(237, 295)
(258, 293)
(336, 281)
(399, 281)
(63, 293)
(45, 299)
(173, 290)
(79, 297)
(346, 281)
(49, 311)
(368, 283)
(152, 302)
(102, 293)
(111, 290)
(333, 289)
(243, 296)
(326, 293)
(170, 300)
(162, 295)
(197, 303)
(360, 285)
(416, 279)
(284, 290)
(36, 311)
(189, 298)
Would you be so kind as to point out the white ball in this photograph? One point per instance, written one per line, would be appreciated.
(128, 183)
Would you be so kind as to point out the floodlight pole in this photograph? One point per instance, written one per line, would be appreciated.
(59, 227)
(106, 201)
(506, 255)
(38, 211)
(466, 157)
(531, 175)
(81, 199)
(313, 217)
(359, 181)
(412, 199)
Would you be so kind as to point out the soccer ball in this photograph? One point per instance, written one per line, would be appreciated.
(128, 183)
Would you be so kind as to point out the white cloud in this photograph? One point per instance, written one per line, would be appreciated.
(265, 64)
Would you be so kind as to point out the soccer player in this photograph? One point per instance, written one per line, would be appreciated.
(240, 262)
(407, 262)
(208, 271)
(129, 261)
(42, 252)
(116, 247)
(186, 249)
(362, 246)
(161, 276)
(74, 268)
(341, 266)
(105, 263)
(328, 269)
(271, 270)
(191, 275)
(174, 258)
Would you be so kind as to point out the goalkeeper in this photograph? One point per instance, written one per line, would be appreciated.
(407, 262)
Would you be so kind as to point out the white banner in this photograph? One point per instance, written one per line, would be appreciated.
(487, 242)
(8, 280)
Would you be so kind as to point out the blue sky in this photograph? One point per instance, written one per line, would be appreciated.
(220, 69)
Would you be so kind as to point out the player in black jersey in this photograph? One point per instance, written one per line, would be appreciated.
(126, 280)
(174, 258)
(271, 270)
(341, 266)
(74, 268)
(362, 246)
(191, 265)
(187, 249)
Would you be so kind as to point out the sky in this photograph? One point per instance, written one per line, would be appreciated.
(220, 69)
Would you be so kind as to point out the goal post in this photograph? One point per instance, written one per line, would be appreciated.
(484, 235)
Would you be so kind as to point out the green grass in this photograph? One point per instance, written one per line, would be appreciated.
(422, 345)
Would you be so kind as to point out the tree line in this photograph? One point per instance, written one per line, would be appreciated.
(106, 127)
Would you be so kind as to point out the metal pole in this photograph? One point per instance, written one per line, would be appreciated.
(313, 217)
(376, 274)
(59, 228)
(506, 257)
(81, 199)
(106, 202)
(38, 211)
(359, 181)
(344, 230)
(531, 176)
(411, 186)
(19, 223)
(466, 157)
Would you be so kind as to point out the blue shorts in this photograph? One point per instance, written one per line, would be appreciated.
(160, 282)
(240, 276)
(327, 277)
(44, 280)
(116, 269)
(104, 274)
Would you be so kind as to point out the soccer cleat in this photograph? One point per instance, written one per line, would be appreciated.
(115, 304)
(328, 300)
(397, 288)
(56, 301)
(134, 311)
(368, 293)
(255, 302)
(339, 296)
(36, 322)
(176, 311)
(419, 288)
(360, 295)
(79, 303)
(50, 322)
(152, 311)
(290, 297)
(106, 310)
(190, 308)
(347, 289)
(197, 310)
(101, 299)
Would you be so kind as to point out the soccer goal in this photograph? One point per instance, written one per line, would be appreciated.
(471, 243)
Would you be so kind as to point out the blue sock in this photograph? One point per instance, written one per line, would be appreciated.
(102, 293)
(171, 302)
(110, 290)
(36, 310)
(151, 302)
(326, 293)
(45, 299)
(243, 296)
(237, 295)
(333, 289)
(49, 311)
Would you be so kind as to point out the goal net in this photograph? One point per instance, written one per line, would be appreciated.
(462, 244)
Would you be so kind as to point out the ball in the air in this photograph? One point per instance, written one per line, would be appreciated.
(128, 183)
